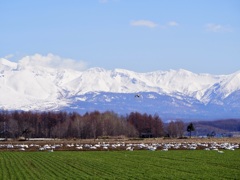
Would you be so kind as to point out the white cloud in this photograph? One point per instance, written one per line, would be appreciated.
(145, 23)
(52, 61)
(172, 23)
(211, 27)
(152, 24)
(9, 56)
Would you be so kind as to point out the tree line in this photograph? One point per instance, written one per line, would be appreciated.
(90, 125)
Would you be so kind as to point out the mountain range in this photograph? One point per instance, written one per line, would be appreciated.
(171, 94)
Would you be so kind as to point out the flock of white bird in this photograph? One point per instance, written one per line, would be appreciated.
(219, 147)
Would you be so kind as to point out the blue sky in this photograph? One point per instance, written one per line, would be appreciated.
(202, 36)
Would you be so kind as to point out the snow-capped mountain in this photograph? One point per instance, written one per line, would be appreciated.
(171, 94)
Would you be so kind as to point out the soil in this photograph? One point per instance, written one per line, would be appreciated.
(125, 140)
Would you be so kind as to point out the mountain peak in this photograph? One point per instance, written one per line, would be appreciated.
(6, 65)
(96, 69)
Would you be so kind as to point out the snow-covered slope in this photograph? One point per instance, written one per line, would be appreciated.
(25, 86)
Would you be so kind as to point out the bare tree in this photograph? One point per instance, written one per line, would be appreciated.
(172, 129)
(180, 128)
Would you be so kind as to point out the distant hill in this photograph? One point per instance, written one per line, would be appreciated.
(225, 127)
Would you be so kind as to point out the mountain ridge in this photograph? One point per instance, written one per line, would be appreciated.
(26, 86)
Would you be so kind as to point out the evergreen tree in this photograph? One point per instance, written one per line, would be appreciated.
(190, 128)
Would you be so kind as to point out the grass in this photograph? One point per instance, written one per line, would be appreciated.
(175, 164)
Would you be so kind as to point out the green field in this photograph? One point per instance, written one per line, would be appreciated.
(175, 164)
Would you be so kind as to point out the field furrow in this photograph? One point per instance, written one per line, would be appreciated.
(120, 165)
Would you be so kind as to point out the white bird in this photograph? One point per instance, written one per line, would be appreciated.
(79, 147)
(165, 149)
(105, 147)
(129, 148)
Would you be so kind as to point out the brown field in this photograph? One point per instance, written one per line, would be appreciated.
(235, 140)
